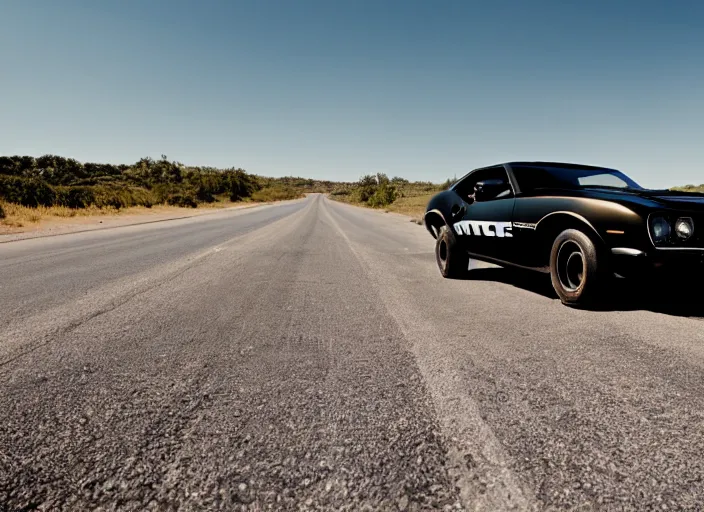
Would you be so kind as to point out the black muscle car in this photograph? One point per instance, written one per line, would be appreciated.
(581, 224)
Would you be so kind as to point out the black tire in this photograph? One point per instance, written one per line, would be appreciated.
(453, 261)
(576, 268)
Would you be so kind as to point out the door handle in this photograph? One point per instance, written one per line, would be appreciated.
(457, 211)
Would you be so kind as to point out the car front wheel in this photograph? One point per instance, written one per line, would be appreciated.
(453, 260)
(575, 268)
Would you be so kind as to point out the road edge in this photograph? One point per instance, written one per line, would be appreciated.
(38, 234)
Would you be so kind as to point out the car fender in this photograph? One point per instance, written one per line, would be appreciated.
(552, 216)
(438, 210)
(608, 221)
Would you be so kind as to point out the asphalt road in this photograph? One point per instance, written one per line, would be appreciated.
(309, 356)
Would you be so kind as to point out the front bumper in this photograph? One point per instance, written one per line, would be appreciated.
(628, 262)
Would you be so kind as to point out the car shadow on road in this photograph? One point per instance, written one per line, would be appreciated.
(622, 295)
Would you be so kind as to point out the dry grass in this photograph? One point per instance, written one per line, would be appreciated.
(276, 193)
(413, 206)
(18, 216)
(691, 188)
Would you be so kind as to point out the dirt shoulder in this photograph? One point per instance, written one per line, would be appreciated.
(413, 206)
(49, 225)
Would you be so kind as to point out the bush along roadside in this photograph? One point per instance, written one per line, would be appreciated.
(378, 191)
(276, 193)
(57, 181)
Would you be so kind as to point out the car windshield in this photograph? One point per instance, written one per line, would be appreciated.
(539, 177)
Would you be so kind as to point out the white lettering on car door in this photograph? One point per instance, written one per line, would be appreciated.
(484, 228)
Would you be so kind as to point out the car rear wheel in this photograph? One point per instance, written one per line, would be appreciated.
(576, 270)
(453, 261)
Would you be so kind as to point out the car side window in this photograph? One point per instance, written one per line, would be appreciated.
(534, 177)
(466, 188)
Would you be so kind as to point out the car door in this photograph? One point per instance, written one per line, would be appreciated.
(482, 222)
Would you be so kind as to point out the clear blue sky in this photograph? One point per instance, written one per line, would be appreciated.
(337, 88)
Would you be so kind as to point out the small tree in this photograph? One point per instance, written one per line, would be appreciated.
(366, 187)
(384, 195)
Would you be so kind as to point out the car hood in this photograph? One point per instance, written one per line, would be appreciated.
(672, 199)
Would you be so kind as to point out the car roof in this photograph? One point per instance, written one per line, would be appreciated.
(563, 165)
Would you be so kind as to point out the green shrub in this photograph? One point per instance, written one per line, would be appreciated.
(276, 193)
(365, 188)
(185, 200)
(146, 182)
(384, 195)
(107, 196)
(26, 191)
(374, 190)
(241, 185)
(55, 180)
(75, 197)
(162, 192)
(2, 212)
(204, 195)
(141, 197)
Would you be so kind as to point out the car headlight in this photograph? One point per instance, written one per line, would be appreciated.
(659, 229)
(684, 227)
